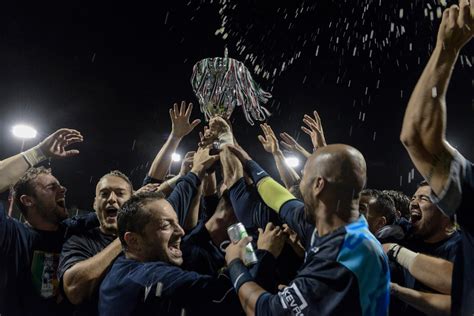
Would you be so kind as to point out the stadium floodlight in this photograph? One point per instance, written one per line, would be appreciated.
(292, 162)
(175, 157)
(24, 131)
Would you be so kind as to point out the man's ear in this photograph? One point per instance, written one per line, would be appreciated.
(381, 222)
(27, 200)
(318, 185)
(132, 241)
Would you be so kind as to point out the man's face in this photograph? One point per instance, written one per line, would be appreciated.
(161, 237)
(111, 192)
(426, 218)
(50, 198)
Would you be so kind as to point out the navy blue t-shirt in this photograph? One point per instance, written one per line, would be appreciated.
(29, 258)
(159, 288)
(457, 198)
(88, 244)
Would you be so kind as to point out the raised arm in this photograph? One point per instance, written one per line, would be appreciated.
(270, 144)
(424, 125)
(53, 146)
(180, 128)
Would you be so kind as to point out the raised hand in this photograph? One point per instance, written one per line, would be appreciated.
(187, 163)
(269, 141)
(206, 137)
(180, 120)
(457, 26)
(203, 161)
(272, 239)
(315, 130)
(54, 146)
(289, 143)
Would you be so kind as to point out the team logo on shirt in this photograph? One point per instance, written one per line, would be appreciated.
(44, 273)
(291, 298)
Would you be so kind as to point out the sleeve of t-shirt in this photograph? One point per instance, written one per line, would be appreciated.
(149, 180)
(183, 194)
(249, 208)
(292, 213)
(75, 250)
(323, 291)
(81, 223)
(457, 196)
(172, 282)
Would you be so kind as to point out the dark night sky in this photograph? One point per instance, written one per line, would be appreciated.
(113, 70)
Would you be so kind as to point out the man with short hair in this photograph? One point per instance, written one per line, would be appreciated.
(85, 258)
(345, 270)
(433, 234)
(29, 253)
(381, 215)
(148, 279)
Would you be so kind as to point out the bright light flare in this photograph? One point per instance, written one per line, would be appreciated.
(292, 162)
(176, 157)
(24, 131)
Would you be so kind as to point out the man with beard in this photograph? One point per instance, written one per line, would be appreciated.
(345, 270)
(85, 258)
(449, 174)
(434, 235)
(29, 253)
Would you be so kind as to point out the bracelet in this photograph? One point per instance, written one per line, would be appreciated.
(34, 156)
(392, 253)
(239, 274)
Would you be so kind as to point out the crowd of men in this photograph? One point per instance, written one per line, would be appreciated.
(325, 244)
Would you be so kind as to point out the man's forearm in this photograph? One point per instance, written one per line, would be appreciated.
(428, 303)
(11, 170)
(287, 174)
(82, 279)
(433, 272)
(231, 167)
(193, 215)
(162, 162)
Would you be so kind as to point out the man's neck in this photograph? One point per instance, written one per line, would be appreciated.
(109, 232)
(329, 221)
(40, 224)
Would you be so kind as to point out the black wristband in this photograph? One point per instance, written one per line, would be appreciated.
(392, 253)
(255, 171)
(239, 274)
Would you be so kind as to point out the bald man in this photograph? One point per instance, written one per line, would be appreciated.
(345, 270)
